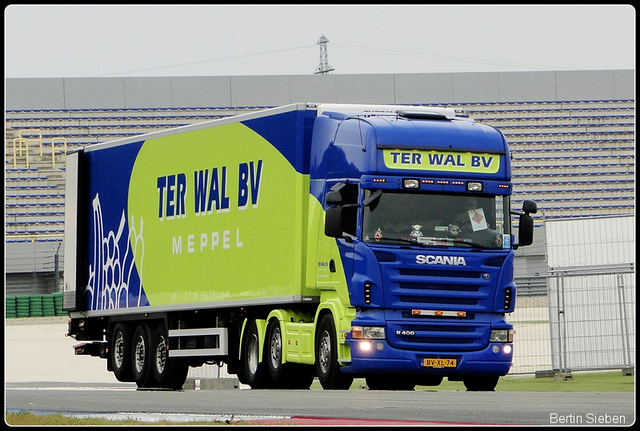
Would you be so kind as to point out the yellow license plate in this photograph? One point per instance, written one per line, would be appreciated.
(440, 363)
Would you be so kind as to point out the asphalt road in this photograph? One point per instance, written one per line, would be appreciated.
(444, 407)
(42, 374)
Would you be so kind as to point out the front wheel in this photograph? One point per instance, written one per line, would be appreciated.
(327, 366)
(481, 383)
(390, 382)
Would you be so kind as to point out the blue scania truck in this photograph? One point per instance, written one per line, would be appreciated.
(310, 240)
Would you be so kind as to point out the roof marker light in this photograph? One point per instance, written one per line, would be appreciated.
(409, 183)
(444, 313)
(474, 186)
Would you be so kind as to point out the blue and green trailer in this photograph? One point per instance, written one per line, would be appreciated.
(309, 240)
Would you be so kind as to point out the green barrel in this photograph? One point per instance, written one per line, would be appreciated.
(35, 306)
(57, 300)
(22, 306)
(10, 302)
(48, 306)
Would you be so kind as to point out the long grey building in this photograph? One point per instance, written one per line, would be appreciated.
(226, 91)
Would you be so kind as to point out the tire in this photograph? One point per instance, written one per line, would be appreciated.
(287, 375)
(168, 373)
(141, 356)
(120, 353)
(273, 353)
(327, 366)
(390, 382)
(255, 372)
(481, 383)
(429, 380)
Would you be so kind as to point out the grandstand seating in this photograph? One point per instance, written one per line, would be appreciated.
(575, 158)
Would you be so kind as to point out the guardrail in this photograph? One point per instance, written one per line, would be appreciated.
(21, 146)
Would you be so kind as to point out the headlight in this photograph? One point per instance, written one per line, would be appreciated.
(367, 332)
(501, 336)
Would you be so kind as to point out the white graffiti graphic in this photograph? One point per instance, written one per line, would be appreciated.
(109, 274)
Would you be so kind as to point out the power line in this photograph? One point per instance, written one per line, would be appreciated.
(234, 57)
(434, 56)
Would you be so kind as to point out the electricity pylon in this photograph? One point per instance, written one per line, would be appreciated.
(324, 66)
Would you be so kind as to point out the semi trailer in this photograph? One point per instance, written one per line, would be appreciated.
(309, 240)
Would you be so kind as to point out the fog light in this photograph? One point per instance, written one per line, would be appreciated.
(495, 348)
(507, 348)
(365, 346)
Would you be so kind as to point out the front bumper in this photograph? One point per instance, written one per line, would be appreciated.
(379, 357)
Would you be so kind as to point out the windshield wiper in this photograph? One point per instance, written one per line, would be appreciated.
(403, 240)
(450, 242)
(470, 244)
(431, 241)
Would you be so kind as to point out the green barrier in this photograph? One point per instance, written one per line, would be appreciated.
(34, 306)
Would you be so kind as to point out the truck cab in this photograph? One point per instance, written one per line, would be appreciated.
(418, 202)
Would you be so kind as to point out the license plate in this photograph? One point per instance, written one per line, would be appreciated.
(439, 363)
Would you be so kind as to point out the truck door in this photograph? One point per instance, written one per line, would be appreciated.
(332, 265)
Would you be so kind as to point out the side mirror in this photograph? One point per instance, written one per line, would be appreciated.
(334, 197)
(342, 217)
(529, 207)
(333, 222)
(525, 231)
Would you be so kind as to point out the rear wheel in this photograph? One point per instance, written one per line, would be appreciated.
(168, 372)
(141, 357)
(327, 366)
(255, 372)
(120, 353)
(287, 375)
(273, 351)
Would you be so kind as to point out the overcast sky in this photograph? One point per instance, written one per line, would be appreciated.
(107, 41)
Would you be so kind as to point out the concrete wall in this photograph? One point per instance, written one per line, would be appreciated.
(214, 91)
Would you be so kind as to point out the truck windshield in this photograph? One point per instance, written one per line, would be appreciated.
(429, 219)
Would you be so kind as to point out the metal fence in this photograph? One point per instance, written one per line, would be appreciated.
(592, 317)
(586, 319)
(532, 340)
(585, 322)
